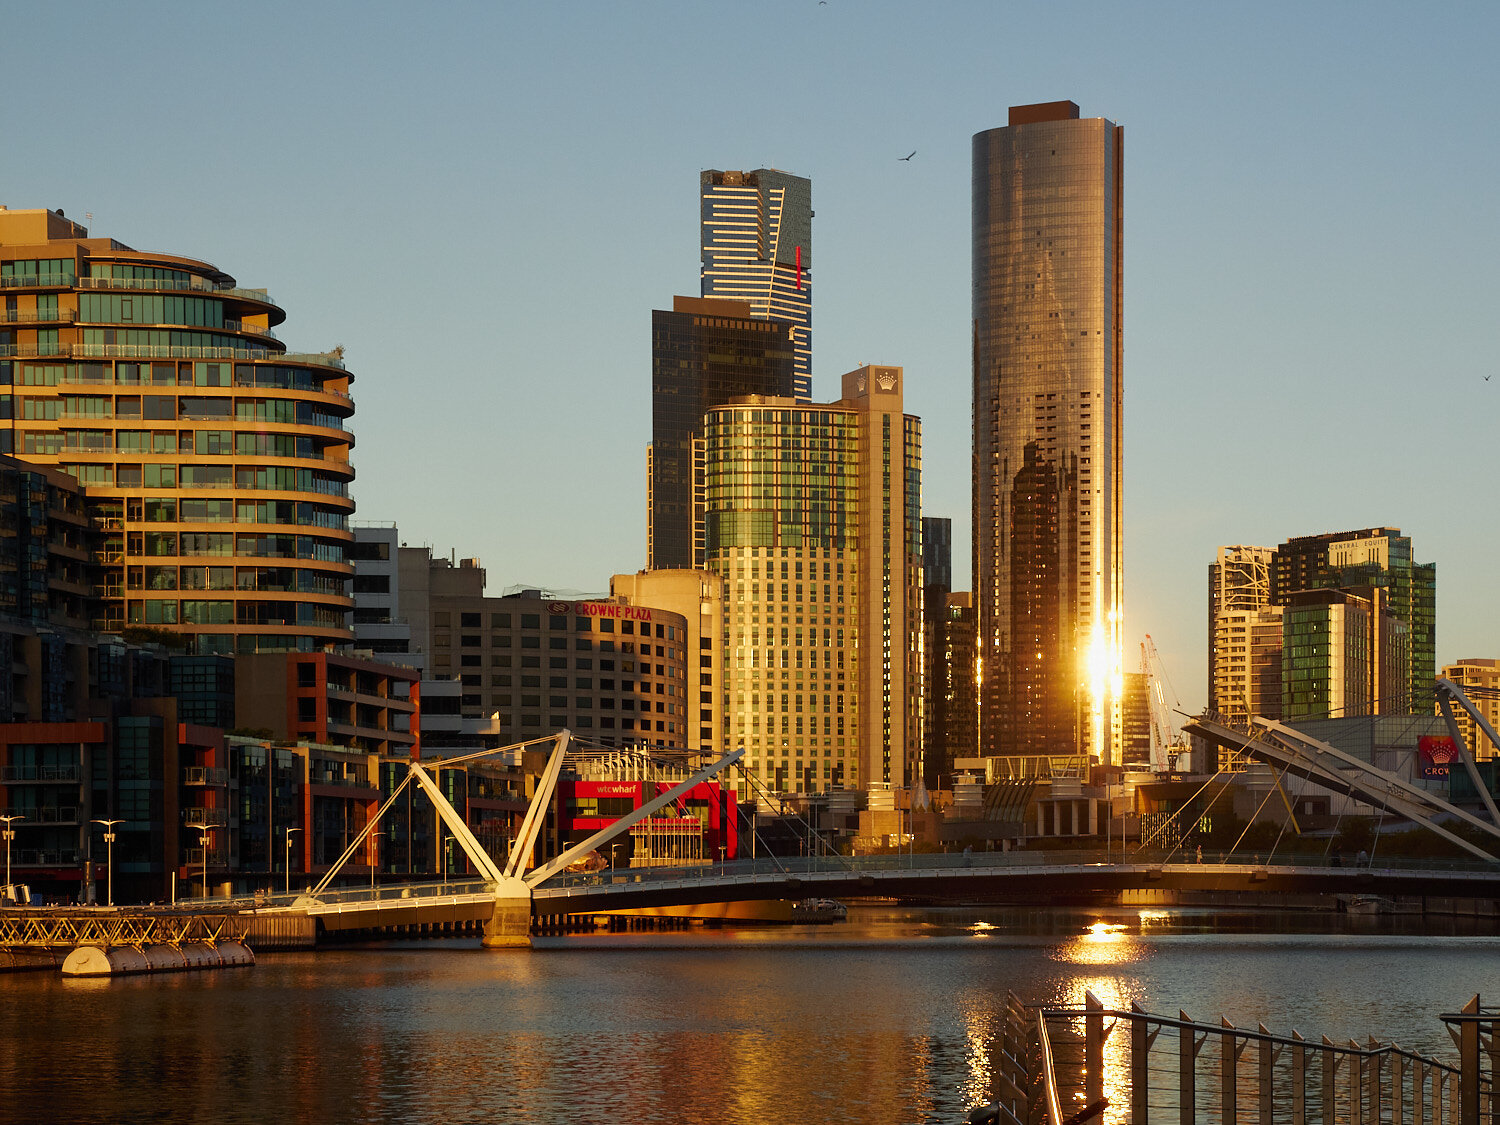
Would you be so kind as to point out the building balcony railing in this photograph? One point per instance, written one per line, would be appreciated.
(37, 281)
(58, 857)
(41, 316)
(241, 326)
(174, 285)
(39, 773)
(59, 814)
(195, 858)
(198, 817)
(205, 775)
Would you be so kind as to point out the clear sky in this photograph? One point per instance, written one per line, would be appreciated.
(484, 202)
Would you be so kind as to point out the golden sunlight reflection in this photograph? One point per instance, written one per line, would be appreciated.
(1116, 995)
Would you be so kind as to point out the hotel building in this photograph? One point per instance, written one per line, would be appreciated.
(614, 674)
(1047, 300)
(813, 522)
(757, 247)
(216, 463)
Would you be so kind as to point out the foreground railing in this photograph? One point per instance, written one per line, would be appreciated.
(1069, 1069)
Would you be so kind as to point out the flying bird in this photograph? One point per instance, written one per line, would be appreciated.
(908, 156)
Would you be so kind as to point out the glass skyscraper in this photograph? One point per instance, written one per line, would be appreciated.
(1047, 412)
(703, 353)
(757, 247)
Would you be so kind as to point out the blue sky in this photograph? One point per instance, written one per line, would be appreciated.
(484, 202)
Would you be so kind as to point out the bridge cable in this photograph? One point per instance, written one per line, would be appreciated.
(1251, 822)
(826, 849)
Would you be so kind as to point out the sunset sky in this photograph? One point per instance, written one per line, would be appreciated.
(483, 203)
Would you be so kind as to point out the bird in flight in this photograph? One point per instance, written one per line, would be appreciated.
(908, 156)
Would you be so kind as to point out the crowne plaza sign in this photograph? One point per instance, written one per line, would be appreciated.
(601, 609)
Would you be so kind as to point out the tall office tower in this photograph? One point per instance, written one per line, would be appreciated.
(1344, 655)
(813, 523)
(1047, 414)
(1380, 557)
(757, 247)
(703, 353)
(949, 720)
(1244, 635)
(216, 463)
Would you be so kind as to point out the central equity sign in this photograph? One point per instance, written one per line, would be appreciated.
(602, 609)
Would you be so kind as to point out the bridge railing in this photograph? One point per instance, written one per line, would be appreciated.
(763, 868)
(1137, 1068)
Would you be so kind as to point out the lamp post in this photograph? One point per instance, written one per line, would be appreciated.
(109, 844)
(204, 833)
(374, 859)
(10, 834)
(289, 832)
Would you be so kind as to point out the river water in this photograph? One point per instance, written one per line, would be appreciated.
(889, 1017)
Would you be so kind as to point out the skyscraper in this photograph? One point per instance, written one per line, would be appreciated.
(1047, 413)
(757, 247)
(703, 353)
(216, 463)
(813, 523)
(1379, 557)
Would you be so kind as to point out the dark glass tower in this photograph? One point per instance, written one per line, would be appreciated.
(1047, 412)
(757, 247)
(703, 353)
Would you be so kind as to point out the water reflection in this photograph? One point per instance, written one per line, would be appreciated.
(895, 1017)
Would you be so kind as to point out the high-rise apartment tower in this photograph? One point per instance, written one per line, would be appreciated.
(757, 247)
(216, 463)
(1047, 414)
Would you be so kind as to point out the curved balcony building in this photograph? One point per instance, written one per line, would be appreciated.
(216, 462)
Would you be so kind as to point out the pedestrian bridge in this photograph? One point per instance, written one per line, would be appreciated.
(1016, 877)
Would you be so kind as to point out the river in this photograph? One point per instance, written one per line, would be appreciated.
(888, 1017)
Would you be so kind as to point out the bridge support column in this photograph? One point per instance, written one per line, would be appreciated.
(509, 926)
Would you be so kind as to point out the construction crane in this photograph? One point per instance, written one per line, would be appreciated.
(1164, 740)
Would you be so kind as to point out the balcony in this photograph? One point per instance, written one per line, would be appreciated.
(61, 814)
(202, 775)
(170, 285)
(39, 773)
(46, 316)
(198, 817)
(34, 857)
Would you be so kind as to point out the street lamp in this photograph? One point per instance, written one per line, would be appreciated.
(289, 832)
(203, 834)
(109, 843)
(10, 834)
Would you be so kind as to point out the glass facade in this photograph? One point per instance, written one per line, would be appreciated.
(703, 353)
(1047, 272)
(1380, 558)
(757, 247)
(216, 464)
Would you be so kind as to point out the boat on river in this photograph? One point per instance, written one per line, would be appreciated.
(819, 910)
